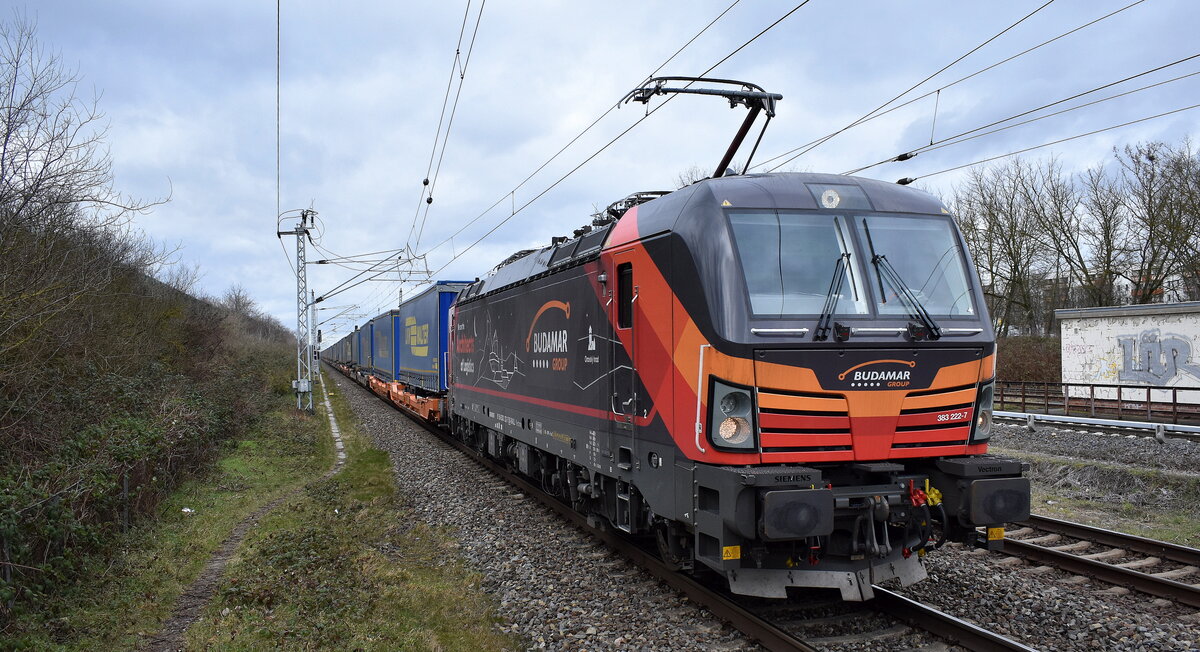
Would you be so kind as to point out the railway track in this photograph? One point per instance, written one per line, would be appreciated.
(1156, 568)
(1138, 428)
(778, 627)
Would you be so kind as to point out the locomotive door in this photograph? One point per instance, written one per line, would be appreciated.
(623, 383)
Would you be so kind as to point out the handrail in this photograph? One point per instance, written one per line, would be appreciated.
(699, 396)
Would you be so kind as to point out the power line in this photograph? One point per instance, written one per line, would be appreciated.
(1056, 142)
(962, 79)
(611, 108)
(450, 124)
(618, 137)
(277, 84)
(339, 289)
(286, 256)
(586, 129)
(959, 138)
(426, 194)
(437, 134)
(866, 116)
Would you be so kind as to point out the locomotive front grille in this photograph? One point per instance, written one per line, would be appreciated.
(804, 422)
(934, 418)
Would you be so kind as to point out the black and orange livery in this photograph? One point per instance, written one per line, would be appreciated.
(784, 378)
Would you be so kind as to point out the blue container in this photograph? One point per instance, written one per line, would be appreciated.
(383, 345)
(362, 354)
(423, 330)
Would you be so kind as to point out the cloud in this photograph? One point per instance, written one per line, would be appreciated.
(190, 92)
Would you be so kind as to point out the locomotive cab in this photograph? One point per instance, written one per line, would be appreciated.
(783, 378)
(825, 350)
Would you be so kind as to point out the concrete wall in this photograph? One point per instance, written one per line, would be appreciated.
(1138, 346)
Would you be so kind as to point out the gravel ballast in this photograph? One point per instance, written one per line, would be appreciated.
(1171, 455)
(556, 586)
(1048, 609)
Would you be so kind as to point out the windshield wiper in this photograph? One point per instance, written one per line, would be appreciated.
(831, 300)
(884, 269)
(906, 294)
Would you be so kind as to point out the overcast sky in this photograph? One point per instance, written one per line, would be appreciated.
(189, 90)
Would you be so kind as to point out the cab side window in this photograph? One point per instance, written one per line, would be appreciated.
(624, 295)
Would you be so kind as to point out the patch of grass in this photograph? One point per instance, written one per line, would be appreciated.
(127, 595)
(1147, 502)
(1176, 526)
(344, 565)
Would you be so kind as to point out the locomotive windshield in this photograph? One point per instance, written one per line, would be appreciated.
(790, 258)
(782, 274)
(925, 253)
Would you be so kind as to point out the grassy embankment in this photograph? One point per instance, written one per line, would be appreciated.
(1147, 502)
(337, 566)
(344, 565)
(120, 597)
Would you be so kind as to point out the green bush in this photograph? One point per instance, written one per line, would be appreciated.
(100, 438)
(1029, 359)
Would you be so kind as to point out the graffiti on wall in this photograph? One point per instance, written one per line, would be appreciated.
(1152, 359)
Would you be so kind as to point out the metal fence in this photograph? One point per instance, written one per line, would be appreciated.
(1154, 403)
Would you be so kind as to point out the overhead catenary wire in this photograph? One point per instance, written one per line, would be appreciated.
(353, 282)
(824, 139)
(964, 78)
(619, 136)
(612, 107)
(511, 193)
(1054, 142)
(437, 134)
(462, 73)
(978, 132)
(286, 255)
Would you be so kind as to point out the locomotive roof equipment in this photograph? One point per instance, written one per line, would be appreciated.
(752, 96)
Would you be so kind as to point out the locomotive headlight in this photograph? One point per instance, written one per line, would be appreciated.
(734, 431)
(731, 417)
(982, 430)
(735, 404)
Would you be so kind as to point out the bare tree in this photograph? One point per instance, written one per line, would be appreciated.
(238, 301)
(1158, 216)
(1003, 235)
(63, 228)
(696, 173)
(1102, 237)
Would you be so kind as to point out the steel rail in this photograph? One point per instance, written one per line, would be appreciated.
(942, 624)
(1132, 542)
(1131, 579)
(763, 631)
(753, 626)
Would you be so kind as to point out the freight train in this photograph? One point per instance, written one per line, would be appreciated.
(785, 379)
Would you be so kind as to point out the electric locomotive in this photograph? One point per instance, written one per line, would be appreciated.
(782, 378)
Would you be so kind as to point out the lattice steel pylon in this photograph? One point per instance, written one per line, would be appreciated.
(304, 321)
